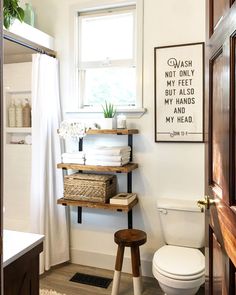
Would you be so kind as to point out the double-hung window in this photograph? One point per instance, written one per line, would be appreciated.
(107, 57)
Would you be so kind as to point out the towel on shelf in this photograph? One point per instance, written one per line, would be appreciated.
(76, 155)
(92, 156)
(73, 161)
(110, 151)
(75, 158)
(103, 163)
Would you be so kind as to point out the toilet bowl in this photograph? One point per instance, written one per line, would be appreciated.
(179, 266)
(179, 270)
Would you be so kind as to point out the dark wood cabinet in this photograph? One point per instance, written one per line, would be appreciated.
(21, 277)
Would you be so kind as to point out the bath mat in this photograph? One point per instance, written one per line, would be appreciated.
(95, 281)
(49, 292)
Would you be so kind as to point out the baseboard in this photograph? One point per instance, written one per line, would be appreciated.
(106, 261)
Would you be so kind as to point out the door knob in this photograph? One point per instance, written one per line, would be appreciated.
(205, 203)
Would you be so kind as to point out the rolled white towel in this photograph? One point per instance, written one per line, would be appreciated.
(125, 156)
(109, 151)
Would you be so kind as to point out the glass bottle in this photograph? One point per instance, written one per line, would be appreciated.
(29, 17)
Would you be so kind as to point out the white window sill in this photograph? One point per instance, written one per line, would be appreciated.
(127, 111)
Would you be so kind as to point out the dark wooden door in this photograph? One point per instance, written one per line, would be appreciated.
(220, 147)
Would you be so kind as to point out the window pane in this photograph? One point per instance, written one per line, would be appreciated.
(107, 37)
(116, 85)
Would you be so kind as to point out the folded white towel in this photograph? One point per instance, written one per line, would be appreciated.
(72, 161)
(76, 155)
(96, 157)
(103, 163)
(110, 151)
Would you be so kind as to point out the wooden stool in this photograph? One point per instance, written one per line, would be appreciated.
(132, 238)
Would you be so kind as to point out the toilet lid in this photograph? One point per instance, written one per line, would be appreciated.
(179, 261)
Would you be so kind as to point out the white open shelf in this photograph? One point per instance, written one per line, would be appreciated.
(15, 134)
(16, 146)
(17, 92)
(18, 130)
(30, 35)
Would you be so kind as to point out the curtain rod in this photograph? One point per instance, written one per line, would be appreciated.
(42, 51)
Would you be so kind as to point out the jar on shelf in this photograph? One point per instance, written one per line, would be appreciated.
(121, 122)
(12, 114)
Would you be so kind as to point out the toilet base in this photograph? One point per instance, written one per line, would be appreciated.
(171, 291)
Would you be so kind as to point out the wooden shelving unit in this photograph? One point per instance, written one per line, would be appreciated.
(116, 169)
(106, 206)
(113, 131)
(128, 168)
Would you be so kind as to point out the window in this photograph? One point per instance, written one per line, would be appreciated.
(107, 67)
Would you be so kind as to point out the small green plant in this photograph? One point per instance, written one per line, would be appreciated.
(108, 110)
(12, 11)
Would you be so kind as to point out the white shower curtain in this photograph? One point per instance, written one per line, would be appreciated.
(47, 217)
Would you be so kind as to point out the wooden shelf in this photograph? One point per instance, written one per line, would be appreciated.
(118, 169)
(106, 206)
(113, 131)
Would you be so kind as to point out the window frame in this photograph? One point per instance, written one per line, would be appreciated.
(73, 103)
(112, 63)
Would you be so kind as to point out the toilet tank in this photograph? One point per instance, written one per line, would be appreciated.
(182, 222)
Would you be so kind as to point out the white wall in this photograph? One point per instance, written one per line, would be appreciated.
(165, 169)
(17, 157)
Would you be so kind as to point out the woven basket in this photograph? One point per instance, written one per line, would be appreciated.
(89, 187)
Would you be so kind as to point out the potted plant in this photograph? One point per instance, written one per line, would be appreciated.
(109, 112)
(12, 11)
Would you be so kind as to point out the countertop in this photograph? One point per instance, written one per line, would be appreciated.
(16, 244)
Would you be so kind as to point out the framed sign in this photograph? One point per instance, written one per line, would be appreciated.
(179, 93)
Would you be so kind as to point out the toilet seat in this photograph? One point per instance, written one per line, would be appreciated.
(179, 278)
(179, 263)
(178, 284)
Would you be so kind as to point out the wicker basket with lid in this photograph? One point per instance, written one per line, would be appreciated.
(90, 187)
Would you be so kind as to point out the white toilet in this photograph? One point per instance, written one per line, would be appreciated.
(179, 266)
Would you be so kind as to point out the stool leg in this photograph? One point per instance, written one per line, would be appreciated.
(117, 272)
(135, 269)
(140, 270)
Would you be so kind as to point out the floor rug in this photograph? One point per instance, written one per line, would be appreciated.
(49, 292)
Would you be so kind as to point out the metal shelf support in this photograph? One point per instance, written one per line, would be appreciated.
(129, 182)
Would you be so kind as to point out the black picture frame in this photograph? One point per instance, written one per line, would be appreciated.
(179, 104)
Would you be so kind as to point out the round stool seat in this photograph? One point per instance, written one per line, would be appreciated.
(130, 237)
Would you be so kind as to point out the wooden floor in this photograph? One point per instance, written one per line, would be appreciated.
(58, 280)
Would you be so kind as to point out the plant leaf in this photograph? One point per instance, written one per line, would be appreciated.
(6, 3)
(20, 13)
(12, 10)
(7, 21)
